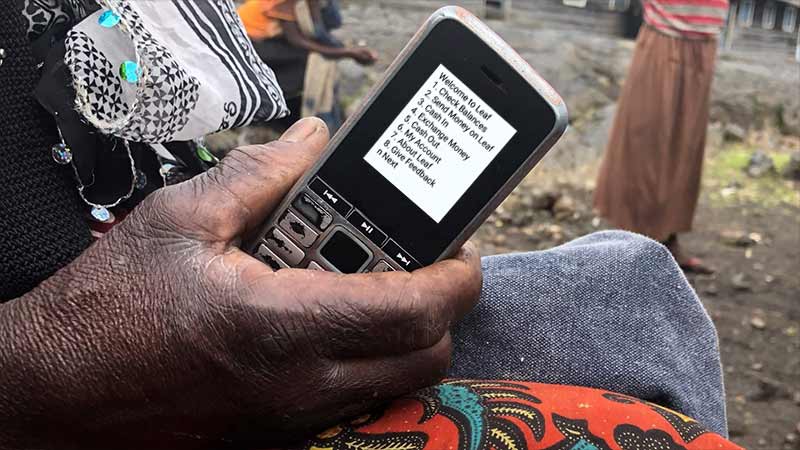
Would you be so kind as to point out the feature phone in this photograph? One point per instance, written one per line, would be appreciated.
(458, 120)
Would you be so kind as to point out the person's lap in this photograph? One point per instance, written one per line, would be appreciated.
(611, 310)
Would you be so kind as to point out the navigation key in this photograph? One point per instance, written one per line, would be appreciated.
(367, 228)
(337, 202)
(400, 256)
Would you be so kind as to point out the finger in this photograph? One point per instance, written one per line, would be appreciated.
(360, 384)
(370, 314)
(348, 389)
(238, 194)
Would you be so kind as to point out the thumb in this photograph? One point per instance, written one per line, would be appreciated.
(248, 184)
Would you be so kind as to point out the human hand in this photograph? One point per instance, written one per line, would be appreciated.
(363, 55)
(164, 334)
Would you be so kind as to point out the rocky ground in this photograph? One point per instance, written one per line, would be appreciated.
(748, 227)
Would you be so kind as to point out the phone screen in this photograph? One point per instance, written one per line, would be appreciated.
(440, 140)
(439, 143)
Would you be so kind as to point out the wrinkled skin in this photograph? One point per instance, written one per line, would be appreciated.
(165, 335)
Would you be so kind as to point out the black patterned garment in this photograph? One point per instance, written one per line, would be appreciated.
(131, 88)
(133, 97)
(196, 76)
(44, 16)
(41, 228)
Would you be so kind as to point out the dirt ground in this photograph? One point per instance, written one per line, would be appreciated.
(754, 299)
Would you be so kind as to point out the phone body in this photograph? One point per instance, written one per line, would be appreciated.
(458, 120)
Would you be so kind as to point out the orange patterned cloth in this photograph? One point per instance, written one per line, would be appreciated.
(498, 415)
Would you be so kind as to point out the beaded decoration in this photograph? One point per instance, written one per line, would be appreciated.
(62, 154)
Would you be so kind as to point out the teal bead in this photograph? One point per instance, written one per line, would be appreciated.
(109, 19)
(129, 71)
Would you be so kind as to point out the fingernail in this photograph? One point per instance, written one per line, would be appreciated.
(302, 130)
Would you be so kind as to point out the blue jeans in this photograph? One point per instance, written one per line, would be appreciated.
(611, 310)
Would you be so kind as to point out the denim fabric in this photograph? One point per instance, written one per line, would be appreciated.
(611, 310)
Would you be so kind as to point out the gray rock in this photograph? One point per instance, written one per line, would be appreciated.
(758, 323)
(741, 282)
(736, 238)
(792, 170)
(737, 427)
(760, 164)
(768, 389)
(733, 133)
(711, 290)
(539, 199)
(564, 207)
(715, 135)
(790, 116)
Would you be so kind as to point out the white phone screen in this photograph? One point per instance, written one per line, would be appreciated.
(440, 143)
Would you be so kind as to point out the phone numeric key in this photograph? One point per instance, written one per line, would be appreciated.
(282, 246)
(297, 229)
(313, 211)
(313, 265)
(269, 258)
(382, 267)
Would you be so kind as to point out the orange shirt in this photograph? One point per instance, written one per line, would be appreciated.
(262, 18)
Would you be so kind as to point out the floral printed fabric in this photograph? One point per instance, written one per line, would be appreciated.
(476, 415)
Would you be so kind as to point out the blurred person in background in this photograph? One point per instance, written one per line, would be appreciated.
(650, 178)
(294, 37)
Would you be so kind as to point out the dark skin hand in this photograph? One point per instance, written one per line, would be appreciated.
(164, 334)
(295, 37)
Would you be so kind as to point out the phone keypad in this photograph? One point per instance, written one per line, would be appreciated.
(282, 246)
(269, 258)
(310, 219)
(297, 229)
(382, 266)
(314, 266)
(313, 211)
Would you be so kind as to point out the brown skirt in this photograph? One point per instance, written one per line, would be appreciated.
(650, 178)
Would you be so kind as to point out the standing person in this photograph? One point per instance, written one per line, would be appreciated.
(650, 179)
(293, 38)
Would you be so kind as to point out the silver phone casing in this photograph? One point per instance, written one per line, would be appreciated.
(511, 57)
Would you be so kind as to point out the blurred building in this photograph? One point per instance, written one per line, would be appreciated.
(763, 25)
(753, 25)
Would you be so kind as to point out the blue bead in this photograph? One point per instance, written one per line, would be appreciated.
(102, 214)
(129, 71)
(109, 19)
(141, 180)
(62, 154)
